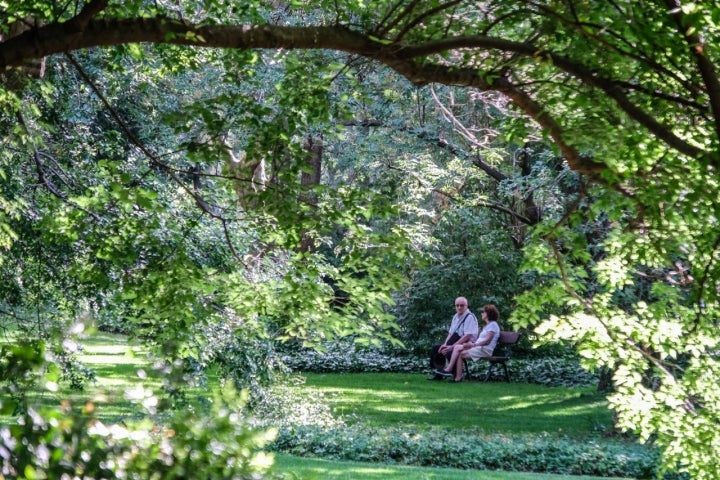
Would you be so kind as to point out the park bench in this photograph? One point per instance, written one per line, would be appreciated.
(500, 355)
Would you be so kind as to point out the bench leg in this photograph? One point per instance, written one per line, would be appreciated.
(488, 373)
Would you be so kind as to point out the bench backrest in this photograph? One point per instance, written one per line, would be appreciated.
(502, 349)
(509, 338)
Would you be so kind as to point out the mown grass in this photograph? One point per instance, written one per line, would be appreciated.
(118, 364)
(395, 399)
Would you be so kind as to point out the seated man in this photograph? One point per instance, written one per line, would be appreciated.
(483, 347)
(463, 328)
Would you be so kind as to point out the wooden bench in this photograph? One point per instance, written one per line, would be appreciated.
(500, 356)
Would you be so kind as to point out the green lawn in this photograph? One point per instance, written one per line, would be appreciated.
(394, 399)
(389, 399)
(118, 366)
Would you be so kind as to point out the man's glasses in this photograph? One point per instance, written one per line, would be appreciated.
(459, 304)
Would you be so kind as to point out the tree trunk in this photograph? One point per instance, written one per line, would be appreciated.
(309, 179)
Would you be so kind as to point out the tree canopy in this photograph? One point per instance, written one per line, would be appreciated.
(627, 92)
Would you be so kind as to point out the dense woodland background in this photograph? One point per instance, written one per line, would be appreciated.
(223, 181)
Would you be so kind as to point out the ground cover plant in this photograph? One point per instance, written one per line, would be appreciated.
(346, 357)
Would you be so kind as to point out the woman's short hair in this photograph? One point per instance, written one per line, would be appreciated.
(492, 312)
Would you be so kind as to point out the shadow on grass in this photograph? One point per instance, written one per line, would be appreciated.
(407, 399)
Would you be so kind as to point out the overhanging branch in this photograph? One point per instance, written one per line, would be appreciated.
(697, 50)
(408, 60)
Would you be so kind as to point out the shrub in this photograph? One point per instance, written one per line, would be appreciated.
(282, 406)
(73, 371)
(551, 372)
(343, 357)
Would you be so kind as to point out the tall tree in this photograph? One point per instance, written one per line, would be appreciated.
(627, 91)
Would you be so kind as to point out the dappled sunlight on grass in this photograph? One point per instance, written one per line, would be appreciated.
(95, 349)
(100, 344)
(100, 359)
(577, 410)
(103, 382)
(406, 409)
(493, 406)
(551, 405)
(118, 366)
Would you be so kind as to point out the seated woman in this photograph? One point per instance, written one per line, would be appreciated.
(483, 347)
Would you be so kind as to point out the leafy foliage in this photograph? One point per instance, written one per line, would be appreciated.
(132, 228)
(471, 259)
(627, 92)
(52, 443)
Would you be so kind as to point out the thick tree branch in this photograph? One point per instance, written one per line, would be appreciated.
(62, 37)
